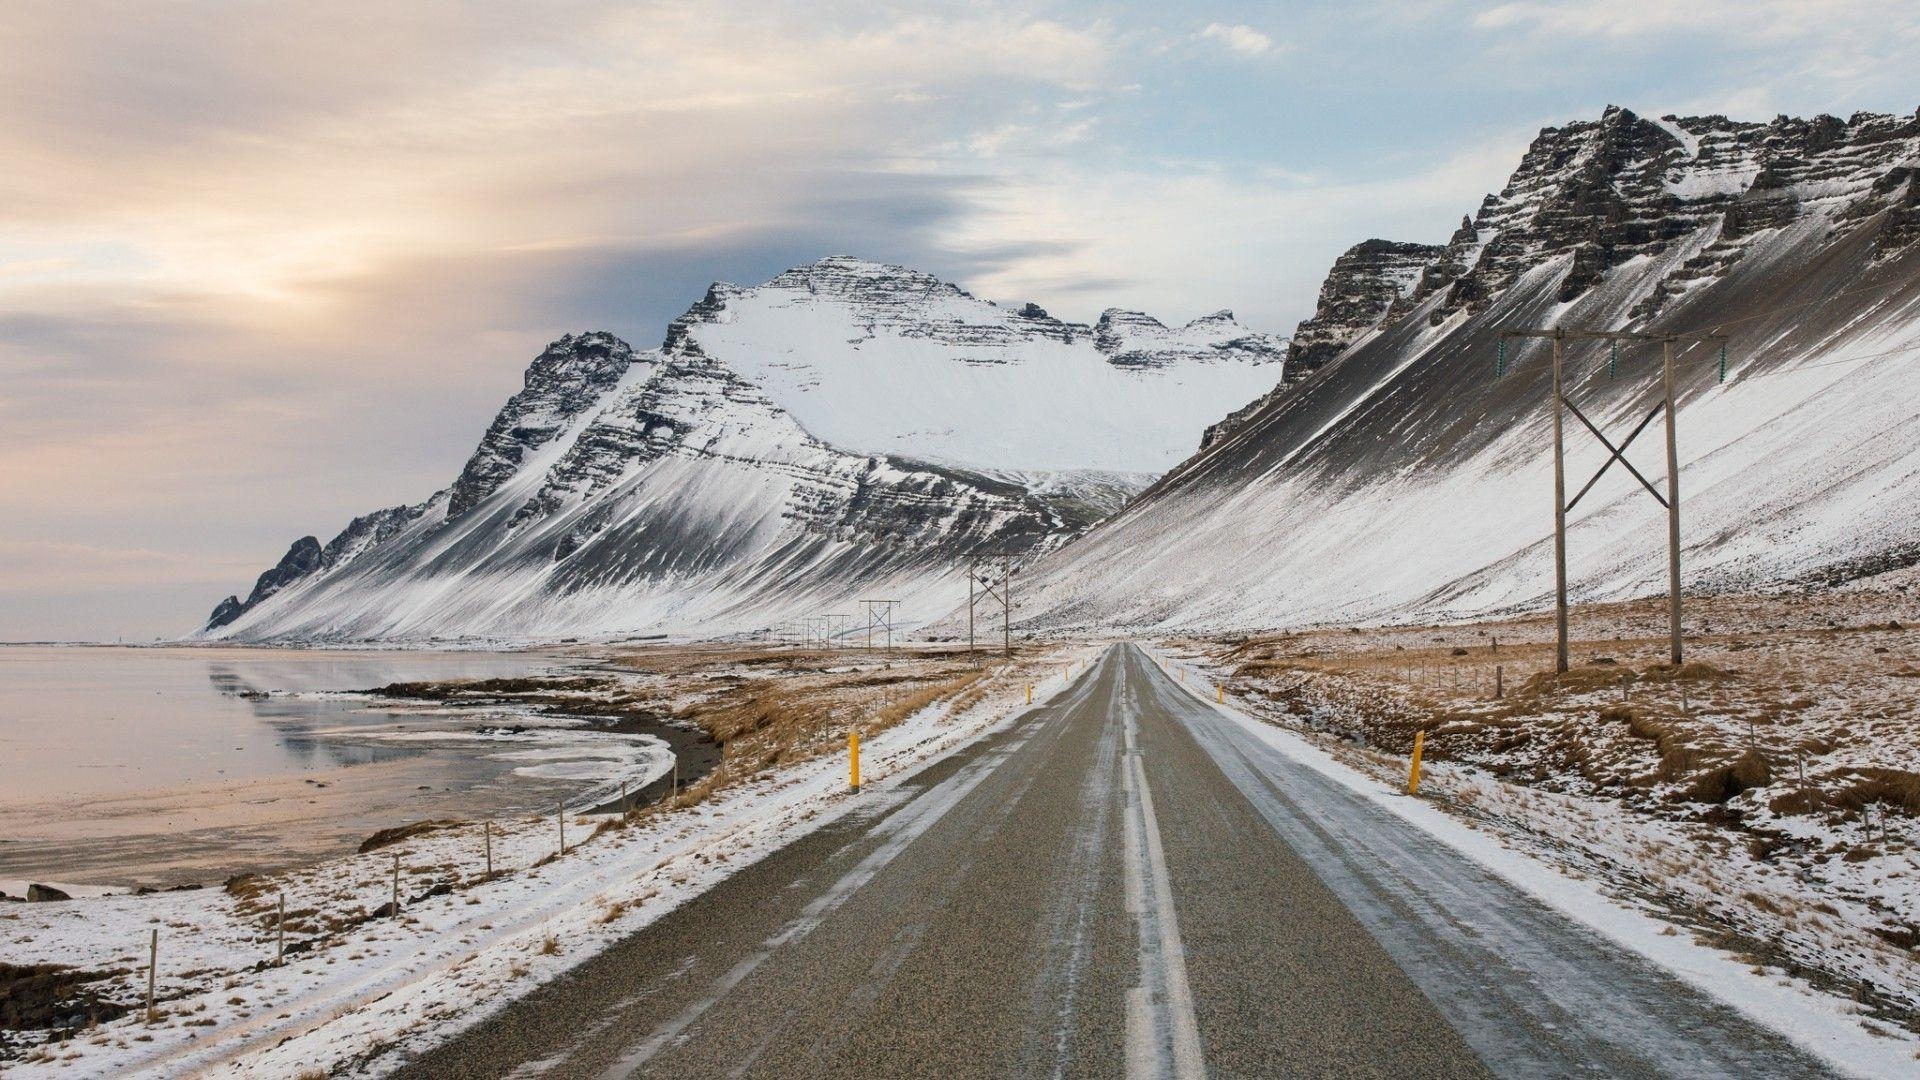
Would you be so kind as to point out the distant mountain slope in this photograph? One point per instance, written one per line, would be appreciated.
(768, 462)
(1405, 477)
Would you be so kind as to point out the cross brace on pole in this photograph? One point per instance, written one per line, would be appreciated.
(1561, 404)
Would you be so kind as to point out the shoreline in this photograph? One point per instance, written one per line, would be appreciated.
(200, 834)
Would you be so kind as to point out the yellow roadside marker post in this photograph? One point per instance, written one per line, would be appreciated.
(1029, 693)
(1220, 693)
(1413, 772)
(853, 759)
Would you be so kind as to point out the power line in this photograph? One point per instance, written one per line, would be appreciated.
(1915, 347)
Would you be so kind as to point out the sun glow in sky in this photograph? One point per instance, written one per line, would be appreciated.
(267, 266)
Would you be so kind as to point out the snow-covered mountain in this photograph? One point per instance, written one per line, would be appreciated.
(848, 429)
(1406, 475)
(881, 360)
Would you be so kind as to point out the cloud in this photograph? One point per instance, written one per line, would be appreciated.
(40, 564)
(1182, 238)
(261, 270)
(1238, 39)
(1847, 48)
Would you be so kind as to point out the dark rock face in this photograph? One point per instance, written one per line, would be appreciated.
(369, 531)
(1362, 286)
(225, 612)
(1599, 193)
(303, 558)
(567, 378)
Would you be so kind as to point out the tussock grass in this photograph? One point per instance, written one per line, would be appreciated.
(1885, 787)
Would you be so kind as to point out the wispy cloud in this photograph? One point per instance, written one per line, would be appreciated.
(1237, 38)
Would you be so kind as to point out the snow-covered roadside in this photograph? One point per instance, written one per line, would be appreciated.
(378, 988)
(1833, 1028)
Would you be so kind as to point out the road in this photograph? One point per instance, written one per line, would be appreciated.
(1124, 882)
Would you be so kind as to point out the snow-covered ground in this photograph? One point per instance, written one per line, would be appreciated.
(358, 989)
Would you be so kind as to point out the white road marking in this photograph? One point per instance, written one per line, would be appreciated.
(901, 829)
(1163, 1036)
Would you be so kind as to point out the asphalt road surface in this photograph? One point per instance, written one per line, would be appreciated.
(1125, 882)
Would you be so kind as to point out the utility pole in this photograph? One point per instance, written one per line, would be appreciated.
(1559, 514)
(973, 567)
(880, 614)
(1006, 608)
(1673, 505)
(1001, 591)
(1562, 506)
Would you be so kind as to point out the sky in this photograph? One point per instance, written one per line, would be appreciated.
(265, 267)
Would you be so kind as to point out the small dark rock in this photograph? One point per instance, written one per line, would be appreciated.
(42, 894)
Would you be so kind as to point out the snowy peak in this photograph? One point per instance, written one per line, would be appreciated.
(565, 380)
(873, 285)
(884, 360)
(1133, 339)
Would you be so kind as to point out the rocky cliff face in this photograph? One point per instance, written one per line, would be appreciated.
(1395, 480)
(1606, 192)
(758, 467)
(562, 382)
(1364, 283)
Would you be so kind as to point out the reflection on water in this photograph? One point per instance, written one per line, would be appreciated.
(97, 721)
(164, 766)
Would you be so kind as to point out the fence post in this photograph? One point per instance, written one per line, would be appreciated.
(153, 965)
(1499, 681)
(280, 933)
(1413, 771)
(560, 815)
(486, 829)
(853, 760)
(396, 884)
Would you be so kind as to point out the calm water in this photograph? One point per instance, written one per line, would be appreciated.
(80, 721)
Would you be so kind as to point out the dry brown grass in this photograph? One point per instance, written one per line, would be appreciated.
(771, 706)
(1774, 684)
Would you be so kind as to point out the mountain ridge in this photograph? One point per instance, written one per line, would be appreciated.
(1407, 477)
(681, 483)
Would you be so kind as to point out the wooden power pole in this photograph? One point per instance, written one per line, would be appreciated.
(1562, 506)
(880, 614)
(1006, 602)
(988, 588)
